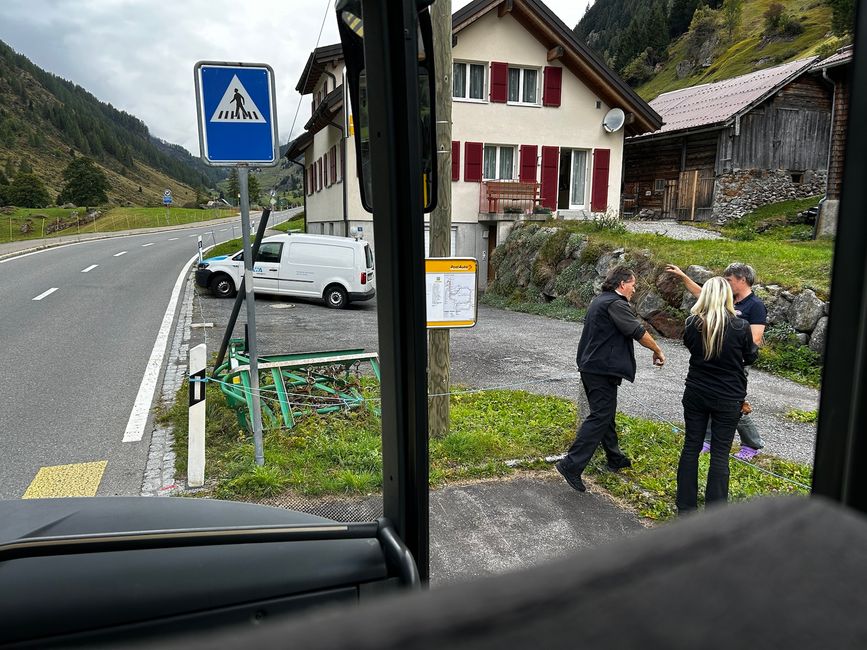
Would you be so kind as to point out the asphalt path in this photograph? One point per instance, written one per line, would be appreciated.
(513, 350)
(78, 327)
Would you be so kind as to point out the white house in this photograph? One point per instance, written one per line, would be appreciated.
(528, 105)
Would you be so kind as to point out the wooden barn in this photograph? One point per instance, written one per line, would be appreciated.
(728, 147)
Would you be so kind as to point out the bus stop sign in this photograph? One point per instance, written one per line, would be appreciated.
(237, 114)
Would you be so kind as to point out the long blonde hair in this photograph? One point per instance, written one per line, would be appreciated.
(714, 309)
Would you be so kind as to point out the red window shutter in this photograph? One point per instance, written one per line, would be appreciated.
(456, 160)
(550, 165)
(599, 189)
(527, 171)
(499, 81)
(553, 82)
(326, 169)
(309, 180)
(339, 161)
(319, 174)
(473, 162)
(333, 159)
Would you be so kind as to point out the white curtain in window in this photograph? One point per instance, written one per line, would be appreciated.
(530, 81)
(514, 84)
(489, 162)
(506, 157)
(579, 177)
(459, 80)
(477, 81)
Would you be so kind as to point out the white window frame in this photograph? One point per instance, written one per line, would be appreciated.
(484, 98)
(523, 70)
(498, 148)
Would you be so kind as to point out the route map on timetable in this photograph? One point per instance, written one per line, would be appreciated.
(451, 292)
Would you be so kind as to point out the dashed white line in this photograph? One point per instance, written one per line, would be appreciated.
(224, 230)
(119, 254)
(172, 238)
(144, 245)
(89, 268)
(45, 293)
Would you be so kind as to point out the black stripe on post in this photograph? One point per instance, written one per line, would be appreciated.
(197, 387)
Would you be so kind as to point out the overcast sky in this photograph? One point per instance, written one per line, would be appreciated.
(138, 55)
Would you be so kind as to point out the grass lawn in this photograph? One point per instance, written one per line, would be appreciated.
(340, 454)
(113, 220)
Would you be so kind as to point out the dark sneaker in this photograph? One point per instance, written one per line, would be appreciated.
(618, 465)
(574, 480)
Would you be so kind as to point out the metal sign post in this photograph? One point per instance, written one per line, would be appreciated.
(167, 201)
(237, 128)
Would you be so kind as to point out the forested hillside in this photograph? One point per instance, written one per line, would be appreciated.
(661, 45)
(46, 121)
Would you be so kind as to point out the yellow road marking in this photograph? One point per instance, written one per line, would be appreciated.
(76, 480)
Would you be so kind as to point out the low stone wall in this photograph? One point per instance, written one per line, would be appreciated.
(743, 190)
(542, 264)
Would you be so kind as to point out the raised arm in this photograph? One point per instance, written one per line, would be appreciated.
(688, 282)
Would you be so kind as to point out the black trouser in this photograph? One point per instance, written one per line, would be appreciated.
(598, 426)
(723, 414)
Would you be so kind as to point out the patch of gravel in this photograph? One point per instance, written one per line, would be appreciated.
(671, 229)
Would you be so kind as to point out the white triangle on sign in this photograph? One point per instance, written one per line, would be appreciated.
(237, 106)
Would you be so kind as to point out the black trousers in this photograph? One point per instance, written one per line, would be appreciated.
(598, 426)
(723, 414)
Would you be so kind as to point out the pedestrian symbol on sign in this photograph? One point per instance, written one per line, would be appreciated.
(237, 105)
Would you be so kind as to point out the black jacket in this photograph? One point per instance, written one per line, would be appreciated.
(606, 346)
(722, 377)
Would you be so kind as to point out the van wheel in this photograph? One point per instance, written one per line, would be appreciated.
(222, 286)
(335, 297)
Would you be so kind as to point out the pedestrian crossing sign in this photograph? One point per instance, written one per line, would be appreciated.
(236, 113)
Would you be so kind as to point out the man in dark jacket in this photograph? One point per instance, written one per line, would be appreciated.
(606, 356)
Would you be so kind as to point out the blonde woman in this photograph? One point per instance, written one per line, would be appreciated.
(720, 346)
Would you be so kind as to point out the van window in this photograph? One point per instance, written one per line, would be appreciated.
(320, 255)
(270, 252)
(368, 254)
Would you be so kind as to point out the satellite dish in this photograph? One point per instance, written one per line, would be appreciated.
(614, 120)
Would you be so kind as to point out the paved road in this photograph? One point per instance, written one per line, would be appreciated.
(78, 326)
(516, 350)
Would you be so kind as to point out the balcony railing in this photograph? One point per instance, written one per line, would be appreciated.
(505, 197)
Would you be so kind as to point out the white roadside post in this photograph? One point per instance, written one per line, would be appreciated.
(196, 440)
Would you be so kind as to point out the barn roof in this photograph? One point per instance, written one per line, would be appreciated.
(716, 103)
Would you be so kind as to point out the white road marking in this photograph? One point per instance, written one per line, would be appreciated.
(119, 254)
(45, 293)
(196, 235)
(89, 268)
(144, 245)
(224, 230)
(172, 238)
(139, 415)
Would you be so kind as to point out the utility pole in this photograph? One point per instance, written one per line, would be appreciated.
(439, 361)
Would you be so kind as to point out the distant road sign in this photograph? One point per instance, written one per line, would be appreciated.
(167, 193)
(237, 113)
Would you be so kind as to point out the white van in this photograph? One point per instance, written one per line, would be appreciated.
(337, 269)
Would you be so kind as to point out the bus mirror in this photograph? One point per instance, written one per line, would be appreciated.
(350, 24)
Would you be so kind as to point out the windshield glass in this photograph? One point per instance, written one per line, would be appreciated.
(639, 296)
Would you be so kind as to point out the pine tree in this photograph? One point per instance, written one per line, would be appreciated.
(27, 191)
(233, 186)
(84, 183)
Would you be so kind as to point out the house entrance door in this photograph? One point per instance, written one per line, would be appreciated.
(563, 179)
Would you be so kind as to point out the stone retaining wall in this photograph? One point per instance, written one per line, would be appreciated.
(741, 191)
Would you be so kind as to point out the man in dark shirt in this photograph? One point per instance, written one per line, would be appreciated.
(605, 357)
(749, 307)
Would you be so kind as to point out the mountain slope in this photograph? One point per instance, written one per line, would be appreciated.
(46, 120)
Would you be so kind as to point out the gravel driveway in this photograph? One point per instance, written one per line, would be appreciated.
(522, 351)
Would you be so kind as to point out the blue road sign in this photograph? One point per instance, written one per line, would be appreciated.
(237, 113)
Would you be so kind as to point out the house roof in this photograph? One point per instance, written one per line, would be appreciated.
(583, 62)
(716, 103)
(298, 145)
(549, 30)
(325, 111)
(840, 57)
(316, 65)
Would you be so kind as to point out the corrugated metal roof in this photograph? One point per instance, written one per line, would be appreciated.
(841, 56)
(714, 103)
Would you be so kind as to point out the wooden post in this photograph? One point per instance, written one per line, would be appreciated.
(694, 190)
(439, 361)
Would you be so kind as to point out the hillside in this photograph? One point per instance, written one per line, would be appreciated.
(659, 46)
(45, 121)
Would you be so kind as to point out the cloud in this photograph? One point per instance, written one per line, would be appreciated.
(138, 55)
